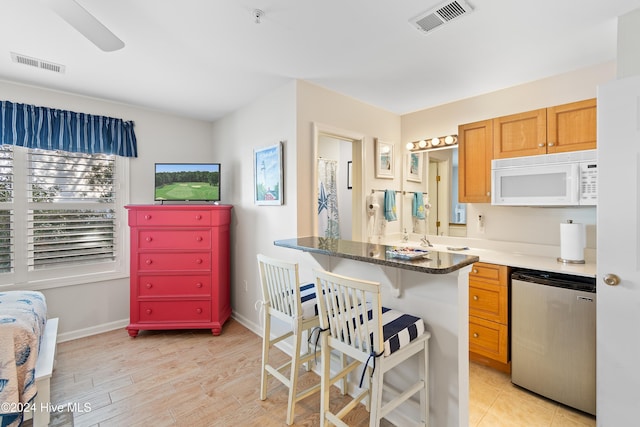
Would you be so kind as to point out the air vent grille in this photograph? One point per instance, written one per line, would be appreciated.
(37, 63)
(441, 14)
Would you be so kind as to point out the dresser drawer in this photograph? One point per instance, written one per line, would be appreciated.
(489, 339)
(172, 218)
(182, 285)
(174, 261)
(175, 311)
(174, 239)
(488, 301)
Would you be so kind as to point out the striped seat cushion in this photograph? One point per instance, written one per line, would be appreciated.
(308, 300)
(398, 329)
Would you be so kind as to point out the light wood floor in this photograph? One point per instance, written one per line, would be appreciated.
(177, 378)
(191, 378)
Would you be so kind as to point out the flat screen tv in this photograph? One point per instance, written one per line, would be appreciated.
(187, 182)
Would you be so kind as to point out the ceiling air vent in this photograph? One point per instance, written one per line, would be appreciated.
(441, 14)
(38, 63)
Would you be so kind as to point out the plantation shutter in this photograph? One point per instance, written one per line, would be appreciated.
(71, 212)
(7, 231)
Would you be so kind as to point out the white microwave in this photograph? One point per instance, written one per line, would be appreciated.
(563, 179)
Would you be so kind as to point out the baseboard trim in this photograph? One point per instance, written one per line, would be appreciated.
(93, 330)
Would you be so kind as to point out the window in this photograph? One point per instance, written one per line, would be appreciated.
(61, 217)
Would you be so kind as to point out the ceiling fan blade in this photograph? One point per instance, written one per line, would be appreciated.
(80, 19)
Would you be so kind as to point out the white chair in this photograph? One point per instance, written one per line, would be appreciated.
(284, 299)
(354, 323)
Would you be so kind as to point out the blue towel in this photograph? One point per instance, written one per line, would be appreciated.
(390, 205)
(417, 210)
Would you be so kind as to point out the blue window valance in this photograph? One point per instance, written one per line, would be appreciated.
(51, 129)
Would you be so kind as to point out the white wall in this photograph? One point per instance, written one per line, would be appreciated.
(95, 307)
(515, 224)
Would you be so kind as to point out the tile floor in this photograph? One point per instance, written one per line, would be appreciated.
(495, 402)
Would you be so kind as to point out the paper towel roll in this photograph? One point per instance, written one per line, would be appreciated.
(572, 242)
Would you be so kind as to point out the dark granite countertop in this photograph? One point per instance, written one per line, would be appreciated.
(434, 262)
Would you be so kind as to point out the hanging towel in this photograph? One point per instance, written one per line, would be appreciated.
(390, 205)
(417, 210)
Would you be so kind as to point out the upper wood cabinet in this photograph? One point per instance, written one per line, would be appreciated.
(475, 152)
(568, 127)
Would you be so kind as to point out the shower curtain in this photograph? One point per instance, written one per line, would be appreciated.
(328, 215)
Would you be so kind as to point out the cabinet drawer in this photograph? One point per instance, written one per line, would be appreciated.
(488, 301)
(172, 218)
(489, 339)
(175, 311)
(159, 286)
(174, 261)
(174, 239)
(484, 271)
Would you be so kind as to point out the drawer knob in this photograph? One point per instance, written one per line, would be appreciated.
(149, 285)
(148, 262)
(198, 217)
(149, 311)
(148, 239)
(475, 271)
(475, 335)
(198, 261)
(541, 145)
(199, 239)
(199, 310)
(198, 285)
(476, 298)
(551, 144)
(147, 216)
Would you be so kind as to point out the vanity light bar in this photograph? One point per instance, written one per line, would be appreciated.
(433, 143)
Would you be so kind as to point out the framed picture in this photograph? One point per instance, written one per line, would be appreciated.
(414, 167)
(384, 159)
(268, 175)
(349, 186)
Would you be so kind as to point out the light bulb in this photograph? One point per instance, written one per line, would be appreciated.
(448, 140)
(409, 145)
(422, 143)
(435, 141)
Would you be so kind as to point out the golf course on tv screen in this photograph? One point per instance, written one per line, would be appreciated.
(187, 182)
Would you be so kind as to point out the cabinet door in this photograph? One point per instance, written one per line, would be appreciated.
(474, 162)
(523, 134)
(571, 127)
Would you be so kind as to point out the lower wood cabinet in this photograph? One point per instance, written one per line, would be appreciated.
(489, 286)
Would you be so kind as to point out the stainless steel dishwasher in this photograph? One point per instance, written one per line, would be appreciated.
(553, 336)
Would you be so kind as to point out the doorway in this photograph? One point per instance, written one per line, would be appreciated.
(338, 181)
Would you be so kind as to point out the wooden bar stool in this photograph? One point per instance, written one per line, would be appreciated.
(284, 299)
(353, 322)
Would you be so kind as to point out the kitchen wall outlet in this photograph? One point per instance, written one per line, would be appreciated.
(481, 223)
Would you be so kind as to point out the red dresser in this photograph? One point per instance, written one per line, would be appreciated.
(179, 267)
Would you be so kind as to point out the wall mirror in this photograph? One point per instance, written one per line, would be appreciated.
(434, 174)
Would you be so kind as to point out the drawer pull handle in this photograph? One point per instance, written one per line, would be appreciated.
(198, 217)
(149, 311)
(198, 261)
(199, 239)
(198, 285)
(147, 216)
(476, 298)
(199, 310)
(541, 144)
(148, 262)
(475, 335)
(148, 239)
(149, 286)
(475, 271)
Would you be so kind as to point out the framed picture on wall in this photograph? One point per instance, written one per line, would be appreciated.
(414, 167)
(268, 173)
(384, 159)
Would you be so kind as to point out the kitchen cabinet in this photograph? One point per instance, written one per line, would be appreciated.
(475, 152)
(558, 129)
(489, 315)
(179, 267)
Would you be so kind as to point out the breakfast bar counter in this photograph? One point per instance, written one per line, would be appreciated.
(429, 284)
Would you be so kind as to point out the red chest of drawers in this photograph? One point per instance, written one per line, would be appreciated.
(179, 267)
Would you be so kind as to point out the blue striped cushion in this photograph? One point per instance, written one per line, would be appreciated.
(398, 329)
(308, 300)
